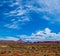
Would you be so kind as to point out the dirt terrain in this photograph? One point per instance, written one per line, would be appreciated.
(29, 49)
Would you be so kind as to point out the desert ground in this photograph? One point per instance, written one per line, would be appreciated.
(29, 49)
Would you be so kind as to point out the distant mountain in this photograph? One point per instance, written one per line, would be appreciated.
(6, 41)
(11, 42)
(48, 42)
(21, 42)
(51, 41)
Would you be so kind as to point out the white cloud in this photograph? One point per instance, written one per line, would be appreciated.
(17, 23)
(52, 7)
(9, 38)
(49, 6)
(14, 4)
(47, 31)
(22, 17)
(45, 35)
(11, 26)
(38, 36)
(46, 18)
(17, 12)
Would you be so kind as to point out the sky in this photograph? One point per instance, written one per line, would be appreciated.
(30, 20)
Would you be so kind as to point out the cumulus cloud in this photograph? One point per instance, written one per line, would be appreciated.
(44, 35)
(47, 31)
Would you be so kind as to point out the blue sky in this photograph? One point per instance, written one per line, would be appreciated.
(30, 20)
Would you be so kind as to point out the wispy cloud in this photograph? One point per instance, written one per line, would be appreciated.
(9, 38)
(19, 13)
(52, 8)
(15, 24)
